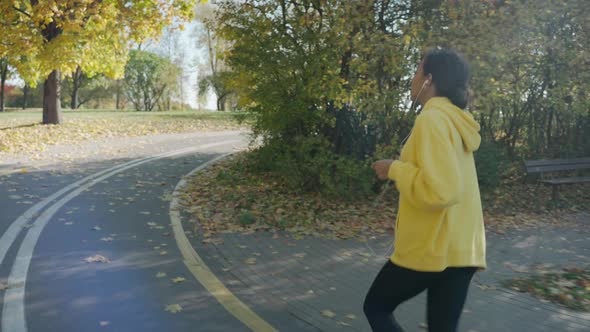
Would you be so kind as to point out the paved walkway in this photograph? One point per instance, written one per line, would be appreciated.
(323, 282)
(295, 285)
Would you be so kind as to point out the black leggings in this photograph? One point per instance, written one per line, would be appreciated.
(394, 285)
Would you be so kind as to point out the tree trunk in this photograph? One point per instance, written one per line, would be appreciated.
(52, 86)
(76, 82)
(51, 103)
(74, 102)
(25, 95)
(118, 95)
(220, 104)
(548, 131)
(3, 77)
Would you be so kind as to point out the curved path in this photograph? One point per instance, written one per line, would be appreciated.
(118, 208)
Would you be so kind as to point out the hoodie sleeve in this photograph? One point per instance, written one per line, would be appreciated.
(434, 181)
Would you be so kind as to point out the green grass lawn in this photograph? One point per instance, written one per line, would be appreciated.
(34, 116)
(22, 131)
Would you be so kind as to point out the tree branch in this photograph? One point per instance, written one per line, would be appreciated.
(21, 11)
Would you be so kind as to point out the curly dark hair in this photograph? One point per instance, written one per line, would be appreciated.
(450, 74)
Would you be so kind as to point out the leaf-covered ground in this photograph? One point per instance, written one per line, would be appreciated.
(228, 198)
(222, 199)
(570, 287)
(22, 133)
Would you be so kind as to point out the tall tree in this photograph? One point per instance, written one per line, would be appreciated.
(26, 90)
(77, 78)
(147, 78)
(171, 47)
(79, 89)
(213, 71)
(4, 71)
(48, 38)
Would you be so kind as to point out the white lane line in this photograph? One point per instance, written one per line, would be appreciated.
(17, 226)
(201, 271)
(13, 312)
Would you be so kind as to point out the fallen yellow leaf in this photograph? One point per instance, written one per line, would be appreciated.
(328, 313)
(97, 258)
(173, 308)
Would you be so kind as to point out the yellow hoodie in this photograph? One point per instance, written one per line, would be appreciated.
(440, 221)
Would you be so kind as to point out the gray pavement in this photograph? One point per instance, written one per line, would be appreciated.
(306, 277)
(123, 218)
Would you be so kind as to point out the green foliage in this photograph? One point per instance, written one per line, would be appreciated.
(310, 165)
(322, 85)
(90, 89)
(147, 78)
(247, 218)
(529, 92)
(338, 72)
(491, 163)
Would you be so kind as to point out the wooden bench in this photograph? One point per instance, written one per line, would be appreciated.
(558, 165)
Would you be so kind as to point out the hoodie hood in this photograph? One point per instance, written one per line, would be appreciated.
(463, 121)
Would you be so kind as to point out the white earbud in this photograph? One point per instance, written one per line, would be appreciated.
(426, 82)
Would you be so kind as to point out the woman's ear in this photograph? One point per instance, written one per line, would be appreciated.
(428, 80)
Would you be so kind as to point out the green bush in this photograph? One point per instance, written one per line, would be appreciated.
(491, 162)
(247, 218)
(310, 165)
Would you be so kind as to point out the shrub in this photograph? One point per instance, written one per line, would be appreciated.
(310, 165)
(491, 162)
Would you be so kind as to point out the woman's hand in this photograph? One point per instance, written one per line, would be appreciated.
(381, 168)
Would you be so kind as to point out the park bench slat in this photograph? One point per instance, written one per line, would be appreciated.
(582, 179)
(557, 165)
(557, 168)
(550, 162)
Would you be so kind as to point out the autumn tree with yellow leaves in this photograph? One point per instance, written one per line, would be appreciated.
(44, 40)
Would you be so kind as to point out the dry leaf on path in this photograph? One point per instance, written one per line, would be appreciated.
(160, 275)
(97, 258)
(527, 243)
(178, 280)
(173, 308)
(517, 268)
(214, 241)
(328, 313)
